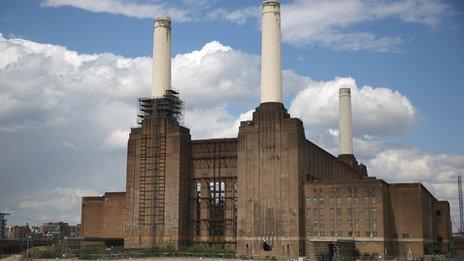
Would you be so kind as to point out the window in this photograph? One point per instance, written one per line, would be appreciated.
(356, 211)
(366, 200)
(349, 211)
(332, 233)
(366, 211)
(439, 239)
(308, 200)
(374, 234)
(350, 233)
(374, 211)
(374, 223)
(339, 211)
(405, 235)
(348, 200)
(321, 200)
(368, 234)
(321, 233)
(373, 199)
(356, 223)
(321, 223)
(438, 213)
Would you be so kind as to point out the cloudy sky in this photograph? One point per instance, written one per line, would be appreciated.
(71, 71)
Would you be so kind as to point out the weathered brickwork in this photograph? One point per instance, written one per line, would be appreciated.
(381, 219)
(269, 185)
(103, 217)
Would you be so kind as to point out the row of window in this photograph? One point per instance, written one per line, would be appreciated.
(368, 190)
(315, 212)
(342, 234)
(350, 223)
(338, 200)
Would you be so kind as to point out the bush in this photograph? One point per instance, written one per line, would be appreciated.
(92, 252)
(42, 252)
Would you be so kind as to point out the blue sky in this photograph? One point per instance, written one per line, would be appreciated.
(410, 52)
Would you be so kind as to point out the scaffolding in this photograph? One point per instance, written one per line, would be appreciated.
(169, 107)
(157, 115)
(213, 195)
(461, 212)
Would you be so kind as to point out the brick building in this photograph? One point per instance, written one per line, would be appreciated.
(267, 192)
(19, 232)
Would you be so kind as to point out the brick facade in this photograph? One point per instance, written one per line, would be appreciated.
(269, 185)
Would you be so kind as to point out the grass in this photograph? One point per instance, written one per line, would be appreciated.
(42, 252)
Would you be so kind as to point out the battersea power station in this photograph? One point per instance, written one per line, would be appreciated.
(269, 192)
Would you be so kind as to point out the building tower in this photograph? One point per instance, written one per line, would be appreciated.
(345, 128)
(157, 159)
(270, 163)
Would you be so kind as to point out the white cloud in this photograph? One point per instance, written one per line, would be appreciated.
(333, 23)
(238, 16)
(81, 101)
(376, 111)
(117, 140)
(438, 172)
(123, 7)
(216, 74)
(69, 145)
(57, 204)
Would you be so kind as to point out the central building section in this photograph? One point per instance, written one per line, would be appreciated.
(270, 173)
(270, 163)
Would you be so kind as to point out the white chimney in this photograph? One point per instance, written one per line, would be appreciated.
(345, 126)
(271, 71)
(161, 75)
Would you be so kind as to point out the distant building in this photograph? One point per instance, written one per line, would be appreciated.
(267, 192)
(19, 232)
(75, 231)
(52, 230)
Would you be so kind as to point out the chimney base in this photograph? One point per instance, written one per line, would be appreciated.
(349, 159)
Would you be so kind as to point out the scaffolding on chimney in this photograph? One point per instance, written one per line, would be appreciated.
(158, 114)
(169, 106)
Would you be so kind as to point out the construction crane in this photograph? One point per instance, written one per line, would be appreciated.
(3, 225)
(461, 213)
